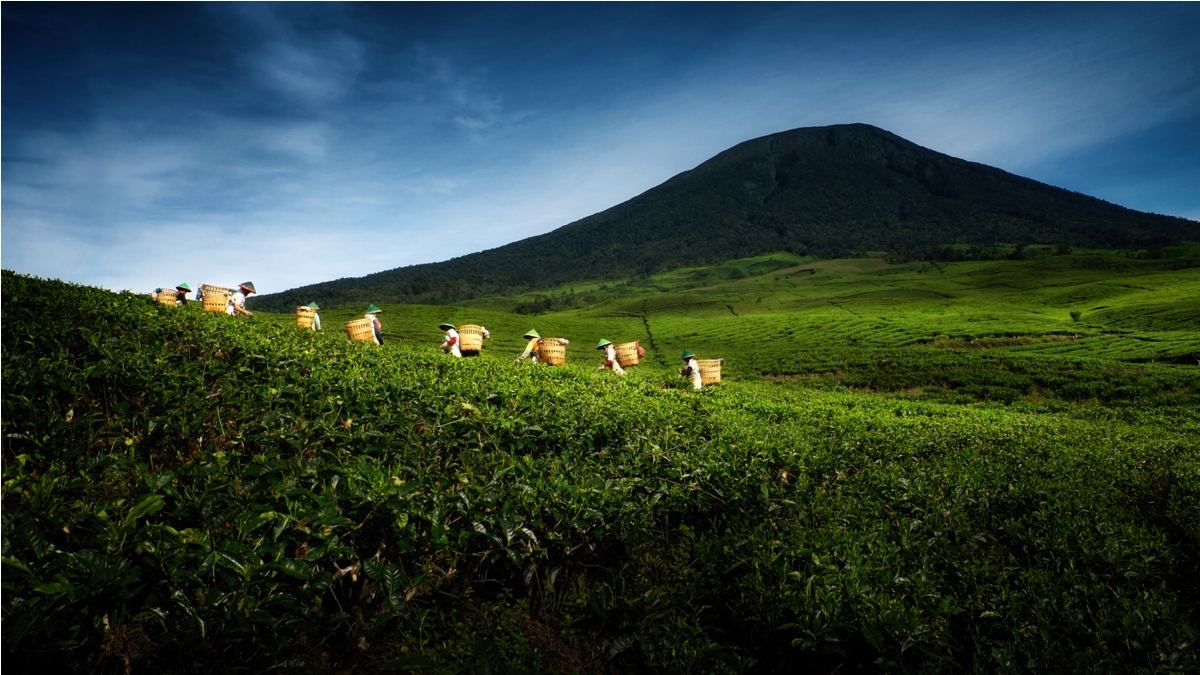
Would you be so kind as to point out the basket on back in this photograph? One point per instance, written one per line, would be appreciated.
(627, 354)
(216, 298)
(361, 330)
(552, 351)
(710, 371)
(470, 339)
(304, 316)
(168, 297)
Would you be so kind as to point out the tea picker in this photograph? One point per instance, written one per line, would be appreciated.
(701, 374)
(237, 301)
(531, 349)
(450, 343)
(180, 295)
(316, 317)
(373, 314)
(610, 357)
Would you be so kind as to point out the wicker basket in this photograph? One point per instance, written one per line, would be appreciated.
(216, 298)
(710, 371)
(304, 317)
(168, 297)
(361, 330)
(552, 351)
(627, 354)
(470, 339)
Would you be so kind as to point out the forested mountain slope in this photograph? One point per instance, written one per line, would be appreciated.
(826, 191)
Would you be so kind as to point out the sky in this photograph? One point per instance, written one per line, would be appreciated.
(145, 144)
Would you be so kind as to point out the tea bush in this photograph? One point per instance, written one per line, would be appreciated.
(185, 492)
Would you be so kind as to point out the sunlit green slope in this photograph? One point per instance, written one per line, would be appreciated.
(194, 493)
(775, 314)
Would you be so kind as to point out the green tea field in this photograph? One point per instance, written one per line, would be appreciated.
(960, 467)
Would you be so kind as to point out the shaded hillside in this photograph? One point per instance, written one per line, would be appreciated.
(825, 191)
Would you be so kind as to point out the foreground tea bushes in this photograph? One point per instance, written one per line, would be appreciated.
(188, 493)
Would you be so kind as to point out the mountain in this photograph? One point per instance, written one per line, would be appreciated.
(831, 191)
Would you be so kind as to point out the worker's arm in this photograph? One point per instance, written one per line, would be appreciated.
(241, 309)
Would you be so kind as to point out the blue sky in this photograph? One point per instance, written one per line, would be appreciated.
(149, 144)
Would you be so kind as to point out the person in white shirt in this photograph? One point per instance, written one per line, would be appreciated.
(373, 314)
(691, 369)
(610, 357)
(237, 301)
(450, 344)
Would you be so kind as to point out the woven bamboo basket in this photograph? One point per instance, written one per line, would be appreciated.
(361, 330)
(552, 351)
(710, 371)
(627, 354)
(470, 339)
(304, 317)
(167, 297)
(216, 298)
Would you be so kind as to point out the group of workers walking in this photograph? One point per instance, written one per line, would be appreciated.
(451, 343)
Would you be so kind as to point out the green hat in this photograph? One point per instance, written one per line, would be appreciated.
(184, 287)
(687, 354)
(373, 310)
(249, 285)
(446, 325)
(531, 333)
(313, 305)
(603, 343)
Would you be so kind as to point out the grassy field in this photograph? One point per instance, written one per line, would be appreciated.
(782, 308)
(919, 467)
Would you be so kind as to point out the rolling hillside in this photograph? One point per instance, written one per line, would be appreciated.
(838, 191)
(883, 485)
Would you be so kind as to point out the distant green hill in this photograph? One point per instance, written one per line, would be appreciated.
(838, 191)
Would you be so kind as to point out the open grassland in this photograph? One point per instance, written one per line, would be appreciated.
(193, 493)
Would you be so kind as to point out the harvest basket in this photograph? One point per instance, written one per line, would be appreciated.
(470, 339)
(710, 371)
(216, 298)
(627, 354)
(552, 351)
(361, 330)
(304, 317)
(167, 297)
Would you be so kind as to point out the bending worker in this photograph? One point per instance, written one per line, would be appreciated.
(450, 344)
(610, 357)
(373, 315)
(691, 369)
(316, 324)
(531, 349)
(237, 301)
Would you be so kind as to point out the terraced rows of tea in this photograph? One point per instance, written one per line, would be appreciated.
(919, 467)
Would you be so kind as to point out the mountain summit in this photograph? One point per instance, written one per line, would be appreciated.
(828, 191)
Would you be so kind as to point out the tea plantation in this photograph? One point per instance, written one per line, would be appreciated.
(889, 479)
